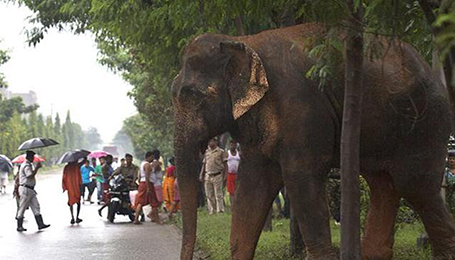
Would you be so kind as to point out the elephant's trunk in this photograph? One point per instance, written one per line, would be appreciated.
(187, 156)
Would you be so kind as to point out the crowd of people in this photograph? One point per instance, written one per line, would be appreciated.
(145, 184)
(151, 183)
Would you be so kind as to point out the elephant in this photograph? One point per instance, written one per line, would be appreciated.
(255, 88)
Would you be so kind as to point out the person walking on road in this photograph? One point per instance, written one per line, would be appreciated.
(168, 185)
(176, 201)
(107, 171)
(213, 174)
(16, 187)
(157, 176)
(86, 171)
(99, 178)
(27, 192)
(146, 191)
(72, 182)
(233, 162)
(3, 181)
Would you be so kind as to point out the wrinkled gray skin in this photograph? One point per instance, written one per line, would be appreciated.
(254, 87)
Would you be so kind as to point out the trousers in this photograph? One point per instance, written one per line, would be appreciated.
(27, 199)
(214, 192)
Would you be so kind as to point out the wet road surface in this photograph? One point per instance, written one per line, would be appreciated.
(94, 238)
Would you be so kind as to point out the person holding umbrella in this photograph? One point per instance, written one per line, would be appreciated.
(5, 167)
(71, 182)
(3, 181)
(27, 192)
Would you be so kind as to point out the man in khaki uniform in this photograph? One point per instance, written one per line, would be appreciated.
(129, 171)
(213, 173)
(27, 192)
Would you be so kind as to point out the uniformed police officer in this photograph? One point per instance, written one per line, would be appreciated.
(27, 192)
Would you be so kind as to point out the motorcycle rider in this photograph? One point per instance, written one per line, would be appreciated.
(129, 171)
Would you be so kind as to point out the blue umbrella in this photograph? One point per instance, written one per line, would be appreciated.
(5, 164)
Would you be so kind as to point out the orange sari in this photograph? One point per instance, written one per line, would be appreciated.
(72, 182)
(168, 191)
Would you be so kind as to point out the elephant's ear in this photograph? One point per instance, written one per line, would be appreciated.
(245, 75)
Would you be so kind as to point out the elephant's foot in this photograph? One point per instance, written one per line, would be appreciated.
(374, 253)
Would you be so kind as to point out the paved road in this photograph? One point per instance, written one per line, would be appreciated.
(94, 238)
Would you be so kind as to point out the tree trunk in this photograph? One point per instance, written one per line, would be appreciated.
(239, 25)
(350, 137)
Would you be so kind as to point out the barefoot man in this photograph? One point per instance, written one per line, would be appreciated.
(72, 182)
(146, 191)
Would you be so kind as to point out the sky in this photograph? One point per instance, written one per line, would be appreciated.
(63, 71)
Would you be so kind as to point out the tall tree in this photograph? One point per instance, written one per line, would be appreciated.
(4, 57)
(93, 139)
(350, 134)
(68, 132)
(123, 140)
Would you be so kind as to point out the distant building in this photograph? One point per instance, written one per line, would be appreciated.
(5, 93)
(29, 98)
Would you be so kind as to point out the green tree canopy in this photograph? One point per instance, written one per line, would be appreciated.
(4, 57)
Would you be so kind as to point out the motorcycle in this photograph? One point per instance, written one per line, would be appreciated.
(120, 202)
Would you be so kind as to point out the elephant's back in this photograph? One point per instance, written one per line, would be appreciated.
(405, 108)
(404, 103)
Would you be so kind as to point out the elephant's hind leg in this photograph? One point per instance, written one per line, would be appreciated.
(377, 242)
(259, 183)
(419, 182)
(438, 223)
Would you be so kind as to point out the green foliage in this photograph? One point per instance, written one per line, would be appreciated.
(14, 105)
(19, 123)
(4, 57)
(93, 139)
(144, 138)
(143, 40)
(446, 22)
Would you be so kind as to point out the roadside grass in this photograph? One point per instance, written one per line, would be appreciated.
(213, 239)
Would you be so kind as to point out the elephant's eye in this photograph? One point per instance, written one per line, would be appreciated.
(192, 95)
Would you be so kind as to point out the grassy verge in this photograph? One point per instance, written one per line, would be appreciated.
(213, 239)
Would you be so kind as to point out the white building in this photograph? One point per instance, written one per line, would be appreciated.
(29, 98)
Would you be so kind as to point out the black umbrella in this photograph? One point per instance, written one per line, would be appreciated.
(5, 164)
(73, 156)
(38, 142)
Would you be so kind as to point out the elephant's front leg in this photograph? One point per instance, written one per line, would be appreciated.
(305, 185)
(259, 183)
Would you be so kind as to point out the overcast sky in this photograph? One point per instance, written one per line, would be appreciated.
(64, 72)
